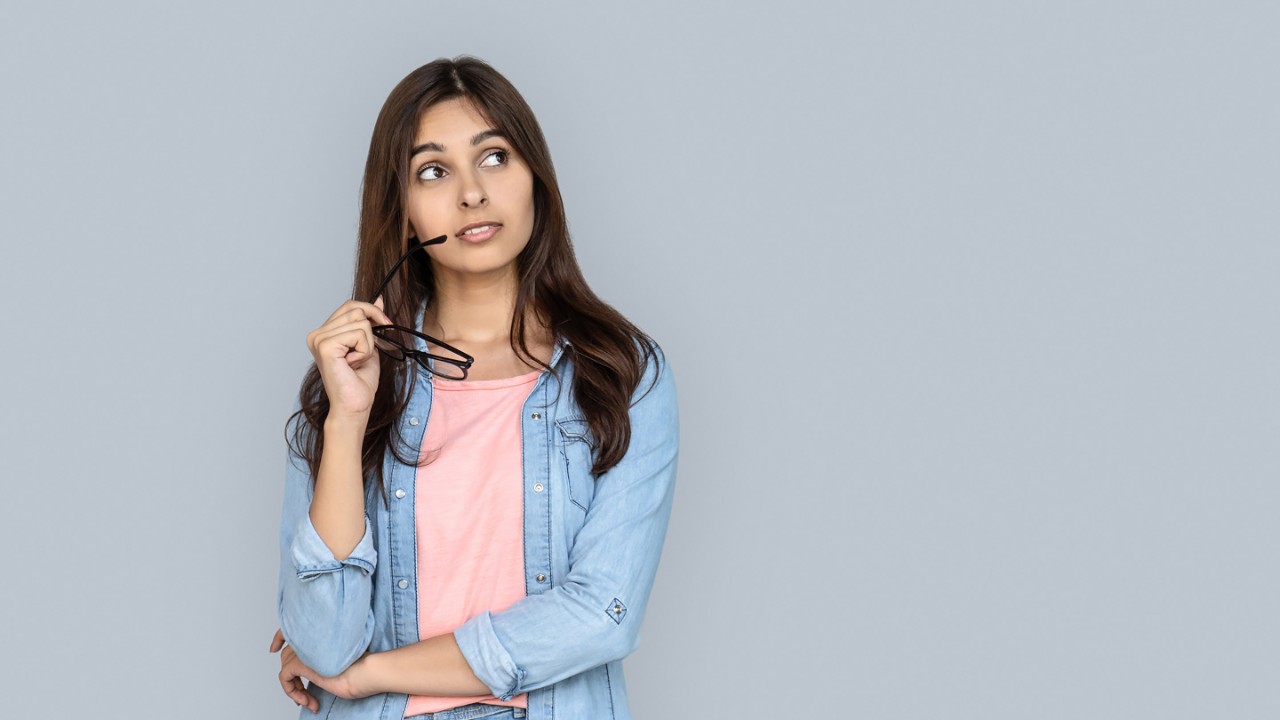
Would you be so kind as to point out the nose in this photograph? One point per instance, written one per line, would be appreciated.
(471, 192)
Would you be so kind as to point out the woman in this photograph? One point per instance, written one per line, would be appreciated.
(475, 503)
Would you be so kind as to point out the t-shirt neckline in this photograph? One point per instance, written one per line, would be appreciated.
(491, 384)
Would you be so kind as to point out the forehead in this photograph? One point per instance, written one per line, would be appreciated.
(450, 123)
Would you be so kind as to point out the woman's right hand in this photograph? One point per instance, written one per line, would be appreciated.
(346, 357)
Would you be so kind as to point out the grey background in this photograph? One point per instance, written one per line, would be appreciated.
(971, 307)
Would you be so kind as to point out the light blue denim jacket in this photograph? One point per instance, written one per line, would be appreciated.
(591, 550)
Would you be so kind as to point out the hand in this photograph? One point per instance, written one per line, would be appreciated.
(293, 672)
(292, 684)
(346, 357)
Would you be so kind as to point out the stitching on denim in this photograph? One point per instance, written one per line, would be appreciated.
(319, 569)
(393, 556)
(582, 431)
(546, 501)
(608, 681)
(358, 562)
(567, 443)
(568, 472)
(524, 494)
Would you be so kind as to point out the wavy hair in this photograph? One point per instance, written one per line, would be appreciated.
(608, 352)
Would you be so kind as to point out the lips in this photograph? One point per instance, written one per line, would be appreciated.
(479, 230)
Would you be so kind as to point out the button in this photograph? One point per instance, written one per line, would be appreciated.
(537, 487)
(403, 584)
(535, 416)
(616, 611)
(541, 578)
(400, 492)
(413, 421)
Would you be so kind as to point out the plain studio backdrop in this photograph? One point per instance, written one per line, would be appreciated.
(971, 307)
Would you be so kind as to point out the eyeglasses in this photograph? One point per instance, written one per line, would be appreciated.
(396, 342)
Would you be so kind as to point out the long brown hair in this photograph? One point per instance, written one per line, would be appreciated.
(608, 352)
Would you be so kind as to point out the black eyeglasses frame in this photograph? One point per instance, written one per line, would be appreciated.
(383, 332)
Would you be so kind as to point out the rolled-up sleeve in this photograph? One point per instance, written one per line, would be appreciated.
(594, 615)
(324, 604)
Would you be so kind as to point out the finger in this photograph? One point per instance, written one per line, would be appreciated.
(292, 687)
(291, 677)
(311, 702)
(380, 305)
(302, 697)
(350, 317)
(376, 312)
(357, 338)
(341, 312)
(362, 324)
(362, 345)
(357, 310)
(287, 656)
(277, 642)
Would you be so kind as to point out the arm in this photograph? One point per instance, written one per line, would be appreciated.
(544, 638)
(593, 615)
(324, 604)
(434, 666)
(337, 506)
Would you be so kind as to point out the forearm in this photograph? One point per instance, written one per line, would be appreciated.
(337, 508)
(591, 615)
(324, 604)
(434, 666)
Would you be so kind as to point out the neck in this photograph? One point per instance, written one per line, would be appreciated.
(472, 309)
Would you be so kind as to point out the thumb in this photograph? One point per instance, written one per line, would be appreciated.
(382, 308)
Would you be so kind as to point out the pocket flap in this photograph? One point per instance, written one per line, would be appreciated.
(575, 429)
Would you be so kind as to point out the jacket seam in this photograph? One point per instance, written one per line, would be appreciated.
(524, 498)
(546, 503)
(608, 681)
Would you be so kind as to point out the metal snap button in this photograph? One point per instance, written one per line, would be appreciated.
(400, 492)
(537, 487)
(403, 584)
(541, 578)
(413, 421)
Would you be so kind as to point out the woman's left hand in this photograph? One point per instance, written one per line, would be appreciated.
(293, 672)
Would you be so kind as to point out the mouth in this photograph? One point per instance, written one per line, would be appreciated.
(479, 232)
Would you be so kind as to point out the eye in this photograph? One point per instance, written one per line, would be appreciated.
(422, 174)
(496, 153)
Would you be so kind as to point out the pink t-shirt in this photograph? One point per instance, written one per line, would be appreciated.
(469, 507)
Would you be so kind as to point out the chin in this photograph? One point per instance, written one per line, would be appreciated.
(478, 266)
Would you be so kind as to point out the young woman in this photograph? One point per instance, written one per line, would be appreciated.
(482, 459)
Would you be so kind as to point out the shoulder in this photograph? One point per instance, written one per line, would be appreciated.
(654, 402)
(655, 368)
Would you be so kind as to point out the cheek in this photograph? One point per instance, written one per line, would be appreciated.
(426, 214)
(526, 202)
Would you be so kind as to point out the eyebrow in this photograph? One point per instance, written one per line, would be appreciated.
(437, 147)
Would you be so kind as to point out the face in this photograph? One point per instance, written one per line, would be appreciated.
(461, 174)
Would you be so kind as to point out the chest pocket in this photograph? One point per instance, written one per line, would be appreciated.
(577, 446)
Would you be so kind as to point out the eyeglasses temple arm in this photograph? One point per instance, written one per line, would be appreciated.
(392, 273)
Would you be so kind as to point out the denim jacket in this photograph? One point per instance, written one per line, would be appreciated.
(591, 551)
